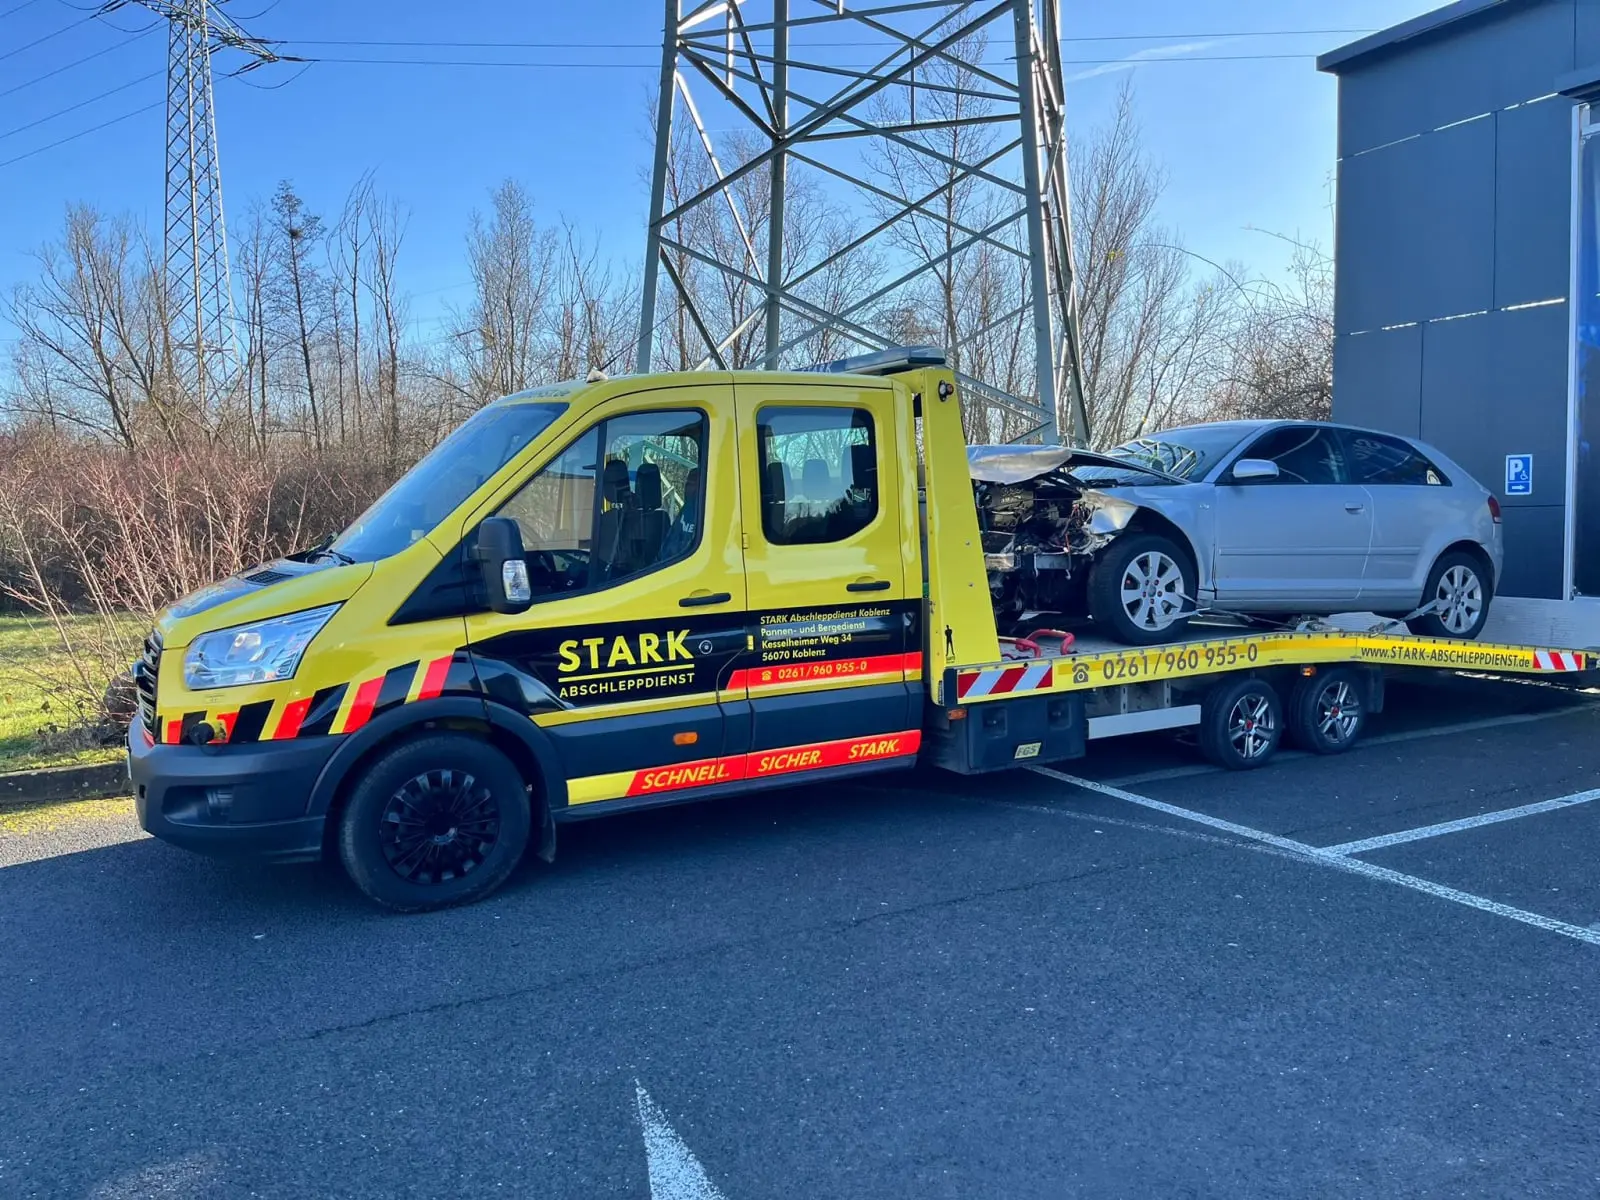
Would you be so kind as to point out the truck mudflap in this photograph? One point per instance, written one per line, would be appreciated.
(994, 737)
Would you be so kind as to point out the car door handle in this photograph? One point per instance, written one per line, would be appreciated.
(1353, 507)
(868, 585)
(700, 599)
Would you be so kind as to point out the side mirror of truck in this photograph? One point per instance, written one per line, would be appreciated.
(1254, 468)
(504, 570)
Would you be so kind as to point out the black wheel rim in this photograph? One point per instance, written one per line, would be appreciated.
(438, 827)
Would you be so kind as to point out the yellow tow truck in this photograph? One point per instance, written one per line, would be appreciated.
(615, 593)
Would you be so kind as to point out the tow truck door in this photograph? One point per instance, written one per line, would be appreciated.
(835, 647)
(638, 613)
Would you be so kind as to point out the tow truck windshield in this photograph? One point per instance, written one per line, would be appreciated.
(436, 486)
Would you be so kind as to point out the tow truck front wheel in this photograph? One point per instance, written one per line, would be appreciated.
(1241, 724)
(438, 821)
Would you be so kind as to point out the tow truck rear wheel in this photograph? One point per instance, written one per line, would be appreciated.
(1241, 724)
(433, 822)
(1328, 711)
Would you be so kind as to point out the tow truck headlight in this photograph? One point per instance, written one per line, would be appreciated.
(258, 653)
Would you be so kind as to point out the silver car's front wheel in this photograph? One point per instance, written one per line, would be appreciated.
(1141, 589)
(1459, 600)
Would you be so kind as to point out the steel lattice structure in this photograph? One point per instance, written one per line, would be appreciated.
(195, 243)
(773, 70)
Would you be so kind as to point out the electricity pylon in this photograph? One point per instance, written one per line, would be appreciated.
(962, 99)
(195, 241)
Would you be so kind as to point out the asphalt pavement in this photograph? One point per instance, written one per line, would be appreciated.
(1005, 986)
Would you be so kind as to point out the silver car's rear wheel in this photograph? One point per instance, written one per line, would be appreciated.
(1457, 597)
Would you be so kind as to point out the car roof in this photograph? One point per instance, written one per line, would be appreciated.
(1245, 426)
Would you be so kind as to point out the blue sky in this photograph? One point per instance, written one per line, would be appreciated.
(1247, 140)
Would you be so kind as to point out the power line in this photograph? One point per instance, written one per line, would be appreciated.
(18, 8)
(80, 104)
(1113, 37)
(72, 137)
(653, 66)
(78, 62)
(40, 41)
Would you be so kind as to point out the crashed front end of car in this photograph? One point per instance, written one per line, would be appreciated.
(1042, 528)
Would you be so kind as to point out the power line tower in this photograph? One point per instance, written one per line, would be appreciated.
(942, 120)
(195, 241)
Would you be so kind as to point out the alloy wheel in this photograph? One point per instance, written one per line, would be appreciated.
(1338, 711)
(1250, 725)
(1152, 590)
(1459, 599)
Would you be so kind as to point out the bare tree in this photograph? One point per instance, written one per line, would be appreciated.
(1148, 332)
(1279, 345)
(96, 349)
(511, 260)
(385, 230)
(253, 267)
(300, 294)
(347, 247)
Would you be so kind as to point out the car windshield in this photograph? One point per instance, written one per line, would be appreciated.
(1187, 453)
(436, 486)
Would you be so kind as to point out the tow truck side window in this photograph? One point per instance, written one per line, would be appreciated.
(620, 501)
(819, 474)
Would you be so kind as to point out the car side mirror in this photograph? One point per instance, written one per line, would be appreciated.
(1254, 468)
(498, 549)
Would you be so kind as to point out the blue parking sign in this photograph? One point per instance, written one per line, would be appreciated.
(1519, 474)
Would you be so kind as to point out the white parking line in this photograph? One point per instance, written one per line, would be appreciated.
(1339, 862)
(675, 1173)
(1384, 739)
(1443, 827)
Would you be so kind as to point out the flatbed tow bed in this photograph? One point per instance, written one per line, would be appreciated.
(1177, 684)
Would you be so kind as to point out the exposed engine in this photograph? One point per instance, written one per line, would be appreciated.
(1040, 536)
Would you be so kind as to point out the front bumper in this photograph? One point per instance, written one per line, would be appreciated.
(247, 800)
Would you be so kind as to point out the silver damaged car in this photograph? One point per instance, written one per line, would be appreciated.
(1259, 518)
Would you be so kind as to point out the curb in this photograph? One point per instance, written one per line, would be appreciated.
(56, 784)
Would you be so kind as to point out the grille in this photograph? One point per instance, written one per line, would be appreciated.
(145, 672)
(266, 577)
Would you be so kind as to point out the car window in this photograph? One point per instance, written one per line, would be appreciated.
(1188, 453)
(621, 500)
(1378, 459)
(1304, 454)
(819, 474)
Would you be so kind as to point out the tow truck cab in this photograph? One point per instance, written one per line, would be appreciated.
(628, 591)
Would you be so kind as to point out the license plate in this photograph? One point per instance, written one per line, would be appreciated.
(1028, 750)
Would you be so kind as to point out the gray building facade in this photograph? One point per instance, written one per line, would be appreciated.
(1467, 305)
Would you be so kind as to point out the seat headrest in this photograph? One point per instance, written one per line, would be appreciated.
(777, 493)
(863, 467)
(614, 481)
(647, 485)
